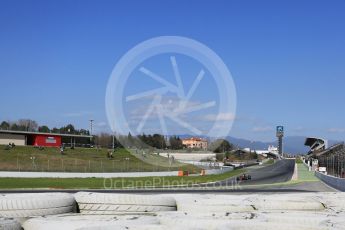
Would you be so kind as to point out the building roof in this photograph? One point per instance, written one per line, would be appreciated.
(332, 150)
(194, 139)
(310, 141)
(40, 133)
(316, 144)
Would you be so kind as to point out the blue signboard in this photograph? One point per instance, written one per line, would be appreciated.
(280, 129)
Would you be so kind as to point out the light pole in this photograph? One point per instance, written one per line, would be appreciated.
(69, 131)
(113, 142)
(91, 126)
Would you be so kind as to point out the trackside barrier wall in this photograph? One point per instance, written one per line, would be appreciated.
(8, 174)
(335, 182)
(219, 171)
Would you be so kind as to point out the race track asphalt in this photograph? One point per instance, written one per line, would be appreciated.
(279, 172)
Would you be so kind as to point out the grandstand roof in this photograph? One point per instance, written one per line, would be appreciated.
(40, 133)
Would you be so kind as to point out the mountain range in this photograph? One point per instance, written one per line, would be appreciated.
(291, 144)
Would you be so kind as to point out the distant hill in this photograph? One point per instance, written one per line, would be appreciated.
(292, 144)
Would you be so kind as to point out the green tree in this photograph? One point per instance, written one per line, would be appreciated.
(158, 141)
(130, 140)
(27, 125)
(70, 128)
(43, 129)
(5, 125)
(175, 143)
(84, 132)
(15, 127)
(55, 130)
(221, 146)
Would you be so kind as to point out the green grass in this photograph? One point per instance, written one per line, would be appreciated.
(299, 161)
(83, 160)
(113, 183)
(304, 174)
(269, 162)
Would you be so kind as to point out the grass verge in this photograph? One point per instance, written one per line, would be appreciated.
(112, 183)
(269, 162)
(305, 175)
(299, 161)
(28, 158)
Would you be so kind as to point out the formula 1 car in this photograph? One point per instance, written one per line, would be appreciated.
(244, 177)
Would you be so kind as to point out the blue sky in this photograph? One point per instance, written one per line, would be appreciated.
(287, 58)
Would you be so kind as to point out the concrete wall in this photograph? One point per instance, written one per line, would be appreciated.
(335, 182)
(17, 139)
(4, 174)
(219, 171)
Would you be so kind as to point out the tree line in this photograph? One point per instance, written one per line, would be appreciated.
(106, 140)
(156, 141)
(142, 141)
(32, 126)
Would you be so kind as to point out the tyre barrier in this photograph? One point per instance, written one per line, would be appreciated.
(9, 224)
(220, 224)
(35, 204)
(215, 208)
(80, 221)
(290, 202)
(102, 203)
(120, 211)
(310, 219)
(251, 203)
(254, 220)
(139, 227)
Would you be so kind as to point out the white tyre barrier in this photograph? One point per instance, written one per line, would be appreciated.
(331, 200)
(102, 203)
(284, 203)
(9, 224)
(215, 204)
(305, 219)
(139, 227)
(107, 198)
(116, 208)
(208, 215)
(36, 212)
(289, 205)
(214, 208)
(35, 204)
(209, 224)
(79, 221)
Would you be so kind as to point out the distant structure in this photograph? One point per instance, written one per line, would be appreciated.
(22, 138)
(316, 144)
(280, 135)
(325, 159)
(271, 150)
(91, 126)
(195, 143)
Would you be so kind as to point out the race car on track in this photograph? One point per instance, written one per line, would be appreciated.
(244, 177)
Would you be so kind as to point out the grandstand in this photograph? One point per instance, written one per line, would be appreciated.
(333, 158)
(316, 144)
